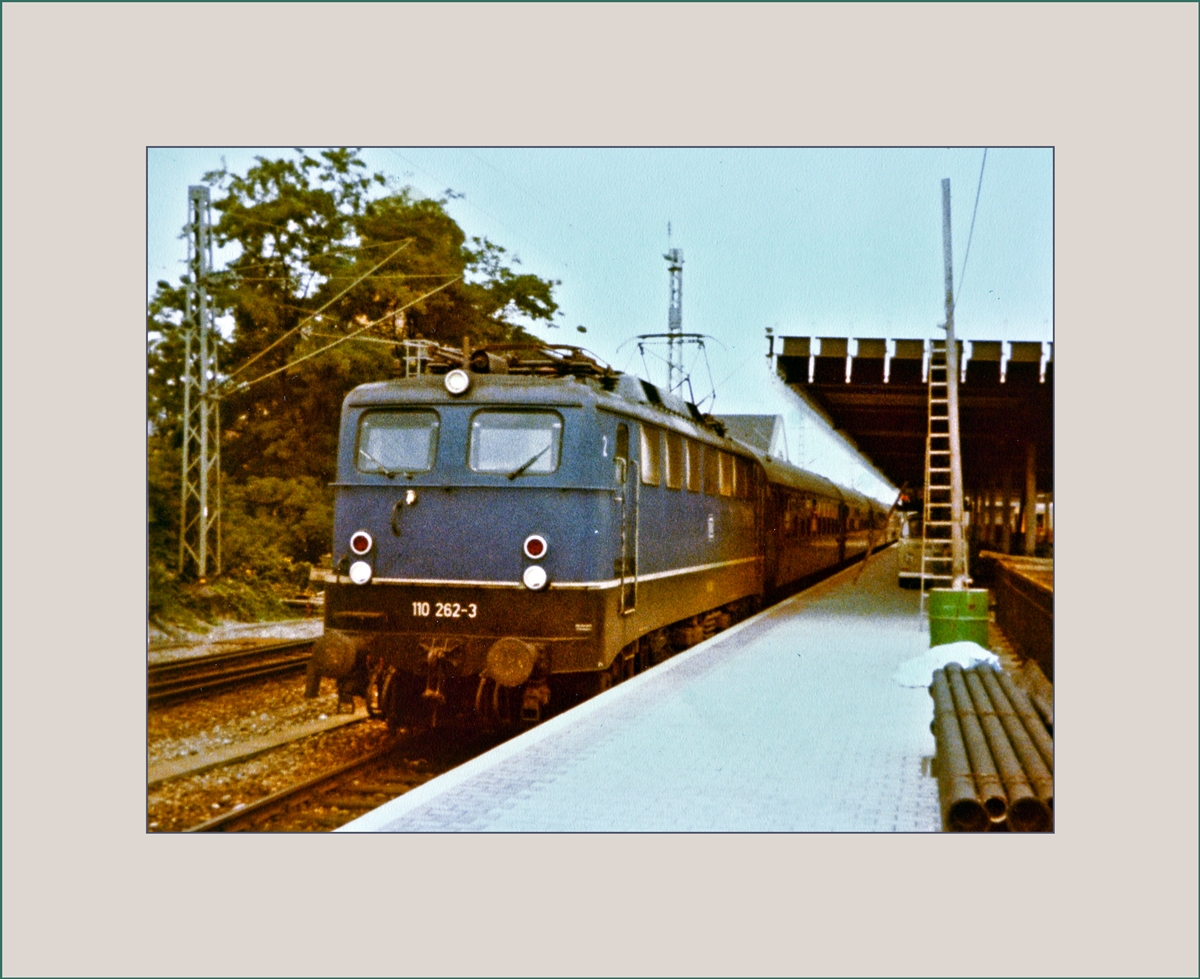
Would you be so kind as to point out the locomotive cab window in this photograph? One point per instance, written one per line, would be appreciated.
(393, 442)
(515, 443)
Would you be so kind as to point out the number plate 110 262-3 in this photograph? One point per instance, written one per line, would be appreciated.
(444, 610)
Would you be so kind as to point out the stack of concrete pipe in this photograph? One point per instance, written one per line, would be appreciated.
(995, 757)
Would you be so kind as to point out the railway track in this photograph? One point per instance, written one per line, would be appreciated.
(335, 797)
(186, 678)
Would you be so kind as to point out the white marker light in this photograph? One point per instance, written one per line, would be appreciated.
(360, 572)
(457, 381)
(534, 577)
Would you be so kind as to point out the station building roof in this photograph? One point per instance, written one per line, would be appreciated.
(761, 432)
(874, 392)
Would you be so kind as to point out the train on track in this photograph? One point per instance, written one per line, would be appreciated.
(520, 526)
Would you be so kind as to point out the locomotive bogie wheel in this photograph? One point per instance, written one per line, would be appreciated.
(374, 692)
(400, 702)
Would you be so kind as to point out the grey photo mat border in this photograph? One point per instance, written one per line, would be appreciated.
(83, 98)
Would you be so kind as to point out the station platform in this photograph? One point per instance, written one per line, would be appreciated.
(790, 721)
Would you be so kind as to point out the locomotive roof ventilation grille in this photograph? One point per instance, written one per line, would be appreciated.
(652, 393)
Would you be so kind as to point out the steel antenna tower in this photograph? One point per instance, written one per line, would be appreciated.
(674, 257)
(200, 494)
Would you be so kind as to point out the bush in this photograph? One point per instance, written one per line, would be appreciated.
(174, 604)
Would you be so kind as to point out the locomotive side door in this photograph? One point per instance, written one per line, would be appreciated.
(626, 476)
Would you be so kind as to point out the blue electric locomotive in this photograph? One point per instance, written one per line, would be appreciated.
(522, 526)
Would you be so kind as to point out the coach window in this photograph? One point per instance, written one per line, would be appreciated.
(695, 469)
(651, 455)
(515, 443)
(394, 442)
(674, 460)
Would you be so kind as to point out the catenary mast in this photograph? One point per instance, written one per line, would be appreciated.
(675, 376)
(200, 502)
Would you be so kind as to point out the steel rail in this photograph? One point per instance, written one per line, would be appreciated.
(181, 679)
(223, 822)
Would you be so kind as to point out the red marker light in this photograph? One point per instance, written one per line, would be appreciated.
(361, 542)
(535, 546)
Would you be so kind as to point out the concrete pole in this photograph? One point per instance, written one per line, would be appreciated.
(1030, 498)
(957, 547)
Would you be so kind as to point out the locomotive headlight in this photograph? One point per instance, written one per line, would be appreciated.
(360, 572)
(457, 382)
(534, 577)
(360, 542)
(535, 546)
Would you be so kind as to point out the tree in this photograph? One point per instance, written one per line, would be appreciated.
(326, 250)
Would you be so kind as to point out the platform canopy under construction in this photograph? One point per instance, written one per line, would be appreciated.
(874, 393)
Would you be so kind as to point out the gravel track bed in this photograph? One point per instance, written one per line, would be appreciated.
(414, 762)
(226, 636)
(190, 800)
(262, 707)
(196, 727)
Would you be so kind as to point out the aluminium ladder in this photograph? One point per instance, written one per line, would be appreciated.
(937, 549)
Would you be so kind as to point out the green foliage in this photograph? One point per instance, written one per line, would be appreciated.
(273, 523)
(195, 605)
(325, 249)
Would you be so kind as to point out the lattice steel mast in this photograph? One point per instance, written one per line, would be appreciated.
(675, 376)
(200, 493)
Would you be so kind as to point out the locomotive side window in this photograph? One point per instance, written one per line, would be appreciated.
(651, 455)
(622, 442)
(515, 442)
(725, 483)
(393, 442)
(741, 478)
(712, 471)
(695, 471)
(674, 460)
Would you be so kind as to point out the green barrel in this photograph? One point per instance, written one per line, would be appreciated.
(957, 616)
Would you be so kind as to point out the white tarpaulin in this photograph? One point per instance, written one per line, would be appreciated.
(918, 672)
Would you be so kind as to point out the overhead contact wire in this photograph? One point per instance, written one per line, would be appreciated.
(278, 340)
(348, 336)
(971, 233)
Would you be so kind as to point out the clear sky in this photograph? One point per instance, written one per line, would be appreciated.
(808, 242)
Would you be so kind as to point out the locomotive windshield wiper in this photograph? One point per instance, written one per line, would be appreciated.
(529, 462)
(382, 469)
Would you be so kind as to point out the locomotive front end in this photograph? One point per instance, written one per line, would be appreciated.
(466, 524)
